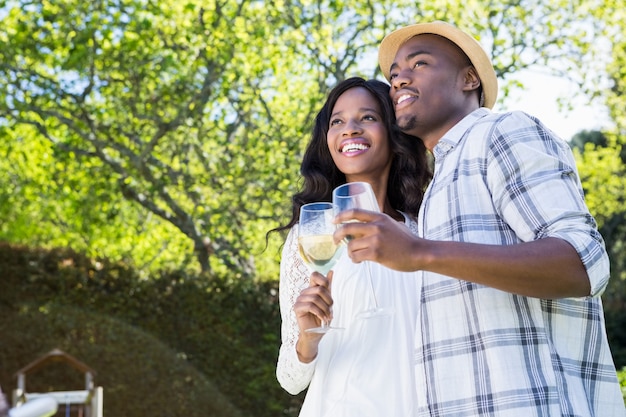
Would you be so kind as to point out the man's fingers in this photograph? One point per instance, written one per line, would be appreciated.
(348, 216)
(350, 231)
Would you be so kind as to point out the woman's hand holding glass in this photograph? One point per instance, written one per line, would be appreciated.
(314, 302)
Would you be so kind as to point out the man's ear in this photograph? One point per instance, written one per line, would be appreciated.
(472, 80)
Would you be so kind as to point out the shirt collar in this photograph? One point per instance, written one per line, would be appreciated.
(454, 135)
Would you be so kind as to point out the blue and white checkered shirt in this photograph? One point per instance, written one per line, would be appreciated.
(504, 179)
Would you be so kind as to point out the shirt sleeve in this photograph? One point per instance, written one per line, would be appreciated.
(536, 188)
(293, 375)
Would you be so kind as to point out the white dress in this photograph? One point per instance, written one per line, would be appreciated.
(367, 369)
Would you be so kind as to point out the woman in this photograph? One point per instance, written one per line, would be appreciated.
(367, 368)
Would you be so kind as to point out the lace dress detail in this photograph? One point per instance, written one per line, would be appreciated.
(293, 375)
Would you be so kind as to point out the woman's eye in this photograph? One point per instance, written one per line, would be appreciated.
(335, 122)
(369, 117)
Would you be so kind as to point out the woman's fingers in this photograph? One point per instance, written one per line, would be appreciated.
(315, 300)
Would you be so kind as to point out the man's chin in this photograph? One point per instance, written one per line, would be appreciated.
(407, 124)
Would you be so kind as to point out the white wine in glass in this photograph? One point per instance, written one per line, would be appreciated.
(360, 195)
(319, 252)
(317, 248)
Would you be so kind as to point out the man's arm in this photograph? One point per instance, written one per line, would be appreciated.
(544, 268)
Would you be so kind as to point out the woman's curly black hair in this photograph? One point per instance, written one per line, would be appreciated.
(409, 174)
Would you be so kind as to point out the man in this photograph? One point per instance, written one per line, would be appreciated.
(512, 264)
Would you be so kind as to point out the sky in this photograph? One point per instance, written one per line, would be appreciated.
(540, 100)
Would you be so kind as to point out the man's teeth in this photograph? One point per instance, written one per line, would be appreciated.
(403, 97)
(351, 147)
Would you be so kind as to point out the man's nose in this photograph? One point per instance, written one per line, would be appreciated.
(400, 80)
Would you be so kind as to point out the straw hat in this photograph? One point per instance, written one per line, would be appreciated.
(477, 55)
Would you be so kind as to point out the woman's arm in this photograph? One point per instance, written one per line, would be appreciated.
(302, 300)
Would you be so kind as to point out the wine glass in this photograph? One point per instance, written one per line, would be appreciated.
(359, 195)
(317, 248)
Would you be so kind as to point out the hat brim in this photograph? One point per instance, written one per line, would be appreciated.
(392, 42)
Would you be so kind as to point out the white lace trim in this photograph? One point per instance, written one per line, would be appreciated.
(293, 375)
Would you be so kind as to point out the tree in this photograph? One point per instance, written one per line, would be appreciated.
(197, 112)
(138, 90)
(616, 92)
(602, 162)
(59, 200)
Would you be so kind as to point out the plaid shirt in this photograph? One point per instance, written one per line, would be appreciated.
(504, 179)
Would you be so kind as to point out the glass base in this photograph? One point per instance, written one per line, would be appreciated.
(376, 312)
(322, 329)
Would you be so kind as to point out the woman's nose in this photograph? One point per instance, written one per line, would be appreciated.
(351, 128)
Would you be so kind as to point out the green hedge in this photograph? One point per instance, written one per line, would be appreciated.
(173, 345)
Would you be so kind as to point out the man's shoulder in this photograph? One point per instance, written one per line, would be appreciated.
(511, 123)
(511, 116)
(490, 128)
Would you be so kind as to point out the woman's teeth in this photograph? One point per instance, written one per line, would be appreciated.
(352, 147)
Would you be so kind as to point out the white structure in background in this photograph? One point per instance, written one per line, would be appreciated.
(45, 406)
(81, 403)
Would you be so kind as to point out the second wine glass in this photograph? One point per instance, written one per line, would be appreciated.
(360, 195)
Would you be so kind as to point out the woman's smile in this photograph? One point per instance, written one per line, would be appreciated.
(354, 146)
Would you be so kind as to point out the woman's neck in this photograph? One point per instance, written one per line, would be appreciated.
(393, 213)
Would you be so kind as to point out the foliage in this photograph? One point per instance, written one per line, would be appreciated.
(138, 373)
(162, 98)
(166, 346)
(602, 171)
(172, 131)
(64, 201)
(613, 15)
(621, 375)
(602, 175)
(602, 162)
